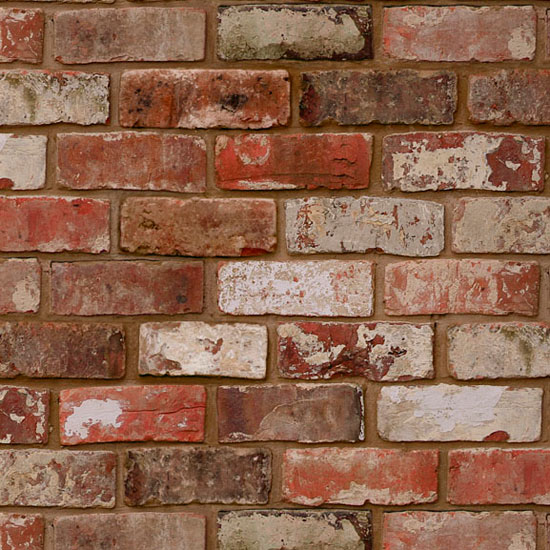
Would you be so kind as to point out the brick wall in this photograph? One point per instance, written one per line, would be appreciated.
(274, 276)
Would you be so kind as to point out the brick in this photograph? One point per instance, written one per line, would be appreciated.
(22, 162)
(294, 529)
(328, 288)
(503, 225)
(54, 224)
(384, 352)
(475, 530)
(547, 34)
(20, 284)
(199, 349)
(403, 227)
(130, 34)
(509, 96)
(499, 350)
(487, 287)
(295, 32)
(67, 479)
(173, 98)
(61, 350)
(142, 161)
(387, 97)
(353, 477)
(498, 476)
(21, 532)
(24, 415)
(21, 35)
(126, 288)
(488, 33)
(180, 475)
(45, 97)
(429, 161)
(445, 412)
(132, 413)
(254, 162)
(290, 412)
(198, 227)
(173, 531)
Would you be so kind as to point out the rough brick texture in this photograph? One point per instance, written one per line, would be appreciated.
(22, 34)
(22, 162)
(21, 532)
(20, 286)
(254, 162)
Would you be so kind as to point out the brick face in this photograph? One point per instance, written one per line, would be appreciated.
(22, 33)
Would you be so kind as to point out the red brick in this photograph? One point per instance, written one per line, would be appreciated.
(24, 415)
(54, 224)
(131, 160)
(61, 350)
(377, 351)
(460, 33)
(290, 412)
(253, 162)
(18, 532)
(429, 161)
(312, 477)
(21, 35)
(173, 98)
(132, 413)
(198, 227)
(509, 96)
(126, 288)
(488, 287)
(475, 530)
(130, 34)
(68, 479)
(174, 531)
(499, 476)
(405, 96)
(20, 285)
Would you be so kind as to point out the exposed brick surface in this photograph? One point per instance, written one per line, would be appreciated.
(20, 285)
(22, 35)
(19, 532)
(22, 162)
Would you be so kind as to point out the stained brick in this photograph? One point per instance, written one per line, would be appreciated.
(21, 532)
(21, 35)
(131, 160)
(20, 284)
(22, 162)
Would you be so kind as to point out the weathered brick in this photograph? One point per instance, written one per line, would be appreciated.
(126, 288)
(24, 415)
(290, 412)
(509, 96)
(488, 33)
(130, 34)
(475, 530)
(445, 412)
(175, 531)
(312, 477)
(335, 32)
(54, 224)
(173, 98)
(328, 288)
(18, 532)
(404, 227)
(488, 287)
(45, 97)
(254, 162)
(429, 161)
(198, 227)
(387, 97)
(180, 475)
(294, 529)
(61, 350)
(503, 225)
(68, 479)
(22, 35)
(131, 160)
(378, 351)
(22, 162)
(499, 350)
(198, 349)
(132, 413)
(499, 476)
(20, 284)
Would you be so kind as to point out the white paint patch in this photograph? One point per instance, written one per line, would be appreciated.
(104, 412)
